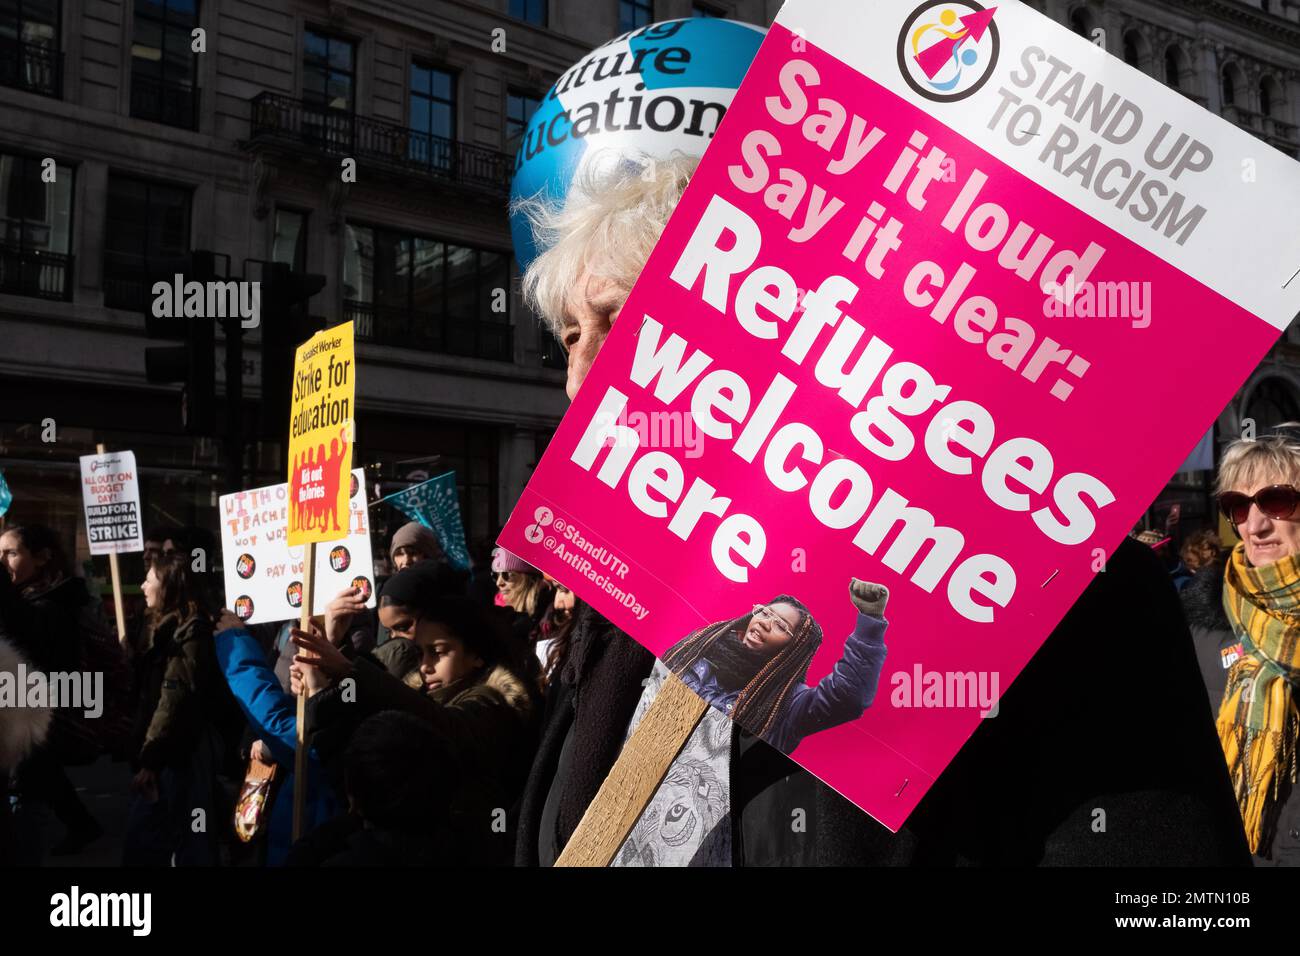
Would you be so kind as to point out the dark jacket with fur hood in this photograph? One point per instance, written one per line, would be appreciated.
(487, 720)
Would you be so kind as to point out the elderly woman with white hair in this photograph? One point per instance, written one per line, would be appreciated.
(595, 247)
(1025, 789)
(1245, 618)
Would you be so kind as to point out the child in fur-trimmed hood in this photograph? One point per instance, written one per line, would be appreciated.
(481, 710)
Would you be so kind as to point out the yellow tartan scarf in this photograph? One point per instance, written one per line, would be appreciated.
(1257, 721)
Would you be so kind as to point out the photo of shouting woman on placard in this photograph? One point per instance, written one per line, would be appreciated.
(754, 668)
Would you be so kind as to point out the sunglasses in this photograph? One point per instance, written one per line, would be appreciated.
(1276, 501)
(507, 575)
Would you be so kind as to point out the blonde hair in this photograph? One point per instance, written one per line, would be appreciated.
(529, 596)
(614, 214)
(1250, 461)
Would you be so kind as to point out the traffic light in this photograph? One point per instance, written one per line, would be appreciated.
(193, 363)
(285, 325)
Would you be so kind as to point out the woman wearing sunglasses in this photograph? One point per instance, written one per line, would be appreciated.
(524, 589)
(1244, 614)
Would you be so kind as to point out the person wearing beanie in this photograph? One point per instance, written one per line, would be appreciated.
(523, 588)
(413, 543)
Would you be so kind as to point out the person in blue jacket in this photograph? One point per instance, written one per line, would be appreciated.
(754, 668)
(273, 716)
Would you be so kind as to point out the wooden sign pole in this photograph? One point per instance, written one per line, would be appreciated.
(116, 576)
(300, 752)
(635, 776)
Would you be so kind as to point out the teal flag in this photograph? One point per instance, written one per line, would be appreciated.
(6, 496)
(436, 505)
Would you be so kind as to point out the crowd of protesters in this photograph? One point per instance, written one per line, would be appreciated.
(471, 717)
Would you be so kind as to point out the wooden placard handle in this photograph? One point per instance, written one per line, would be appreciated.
(300, 750)
(635, 776)
(115, 575)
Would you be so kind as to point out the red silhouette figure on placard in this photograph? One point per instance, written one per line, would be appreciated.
(304, 486)
(295, 485)
(315, 505)
(333, 477)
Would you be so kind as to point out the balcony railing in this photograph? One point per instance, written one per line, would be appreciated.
(280, 120)
(30, 67)
(1272, 130)
(169, 103)
(430, 333)
(31, 272)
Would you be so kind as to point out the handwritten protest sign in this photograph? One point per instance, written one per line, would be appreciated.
(264, 575)
(321, 414)
(910, 298)
(110, 494)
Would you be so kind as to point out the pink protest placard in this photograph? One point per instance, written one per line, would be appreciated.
(900, 329)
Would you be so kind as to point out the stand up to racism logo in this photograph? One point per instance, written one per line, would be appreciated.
(946, 51)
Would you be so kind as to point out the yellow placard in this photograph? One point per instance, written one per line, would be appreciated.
(321, 435)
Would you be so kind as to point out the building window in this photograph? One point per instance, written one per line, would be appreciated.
(553, 354)
(433, 116)
(634, 14)
(328, 71)
(146, 224)
(1273, 402)
(29, 46)
(1229, 86)
(328, 84)
(290, 242)
(701, 10)
(1131, 55)
(163, 66)
(530, 11)
(519, 110)
(1081, 23)
(419, 292)
(35, 229)
(1268, 95)
(1173, 69)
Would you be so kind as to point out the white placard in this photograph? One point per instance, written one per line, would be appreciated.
(110, 495)
(263, 575)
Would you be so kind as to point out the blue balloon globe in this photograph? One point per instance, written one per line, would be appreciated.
(652, 92)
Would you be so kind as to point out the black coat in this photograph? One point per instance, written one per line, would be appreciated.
(46, 626)
(183, 700)
(1102, 753)
(1217, 647)
(487, 723)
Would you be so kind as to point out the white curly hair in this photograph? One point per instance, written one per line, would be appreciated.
(614, 214)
